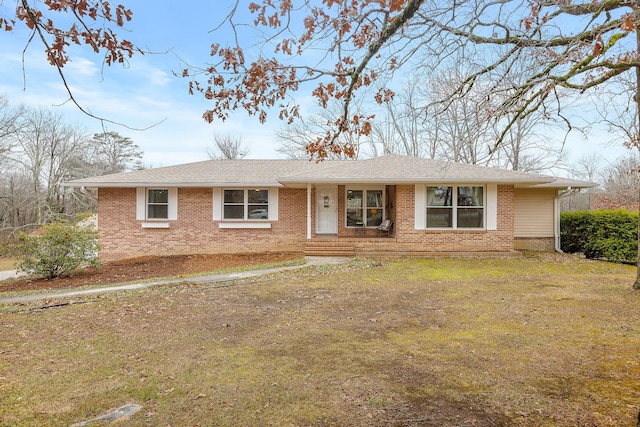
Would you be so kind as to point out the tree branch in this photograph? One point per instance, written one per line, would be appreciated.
(398, 22)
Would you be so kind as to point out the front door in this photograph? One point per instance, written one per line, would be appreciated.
(327, 210)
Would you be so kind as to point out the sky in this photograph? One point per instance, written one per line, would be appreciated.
(145, 94)
(142, 95)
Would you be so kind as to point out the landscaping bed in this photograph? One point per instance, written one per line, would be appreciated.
(147, 268)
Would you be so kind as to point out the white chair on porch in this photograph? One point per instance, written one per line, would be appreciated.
(385, 227)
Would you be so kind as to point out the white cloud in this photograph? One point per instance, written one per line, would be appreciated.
(158, 77)
(79, 66)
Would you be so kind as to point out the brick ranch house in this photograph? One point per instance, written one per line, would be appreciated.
(332, 207)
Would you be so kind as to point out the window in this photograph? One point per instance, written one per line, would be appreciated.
(242, 204)
(364, 208)
(470, 212)
(455, 207)
(158, 204)
(439, 207)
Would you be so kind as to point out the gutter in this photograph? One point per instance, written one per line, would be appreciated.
(162, 184)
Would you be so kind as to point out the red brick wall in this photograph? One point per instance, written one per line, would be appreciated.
(406, 239)
(122, 236)
(411, 239)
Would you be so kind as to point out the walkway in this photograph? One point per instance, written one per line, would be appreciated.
(9, 274)
(213, 278)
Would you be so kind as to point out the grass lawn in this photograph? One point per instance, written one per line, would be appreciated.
(538, 341)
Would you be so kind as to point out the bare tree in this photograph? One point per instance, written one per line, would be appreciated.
(464, 128)
(529, 146)
(40, 152)
(227, 147)
(8, 119)
(405, 127)
(618, 110)
(9, 122)
(416, 124)
(587, 168)
(297, 138)
(621, 184)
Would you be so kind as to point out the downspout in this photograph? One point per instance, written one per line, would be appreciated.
(308, 211)
(556, 222)
(556, 217)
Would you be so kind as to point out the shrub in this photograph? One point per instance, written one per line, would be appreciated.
(57, 248)
(610, 235)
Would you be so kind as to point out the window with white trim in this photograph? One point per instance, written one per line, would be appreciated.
(455, 207)
(365, 207)
(157, 203)
(245, 204)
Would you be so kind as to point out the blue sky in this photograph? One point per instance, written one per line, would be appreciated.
(143, 93)
(146, 93)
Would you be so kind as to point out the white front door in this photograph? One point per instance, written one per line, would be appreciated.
(327, 210)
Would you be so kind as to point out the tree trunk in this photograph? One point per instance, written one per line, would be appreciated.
(636, 284)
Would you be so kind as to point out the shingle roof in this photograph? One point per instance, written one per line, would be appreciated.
(210, 173)
(403, 169)
(391, 169)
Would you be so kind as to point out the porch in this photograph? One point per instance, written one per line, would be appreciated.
(386, 247)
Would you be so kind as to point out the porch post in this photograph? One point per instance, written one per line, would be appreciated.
(308, 211)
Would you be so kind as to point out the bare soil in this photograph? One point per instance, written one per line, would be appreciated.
(148, 268)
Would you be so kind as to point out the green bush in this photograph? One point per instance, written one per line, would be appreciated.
(610, 235)
(61, 247)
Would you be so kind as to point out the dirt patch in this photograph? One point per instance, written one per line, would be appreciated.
(148, 268)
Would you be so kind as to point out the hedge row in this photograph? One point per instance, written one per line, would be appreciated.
(610, 235)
